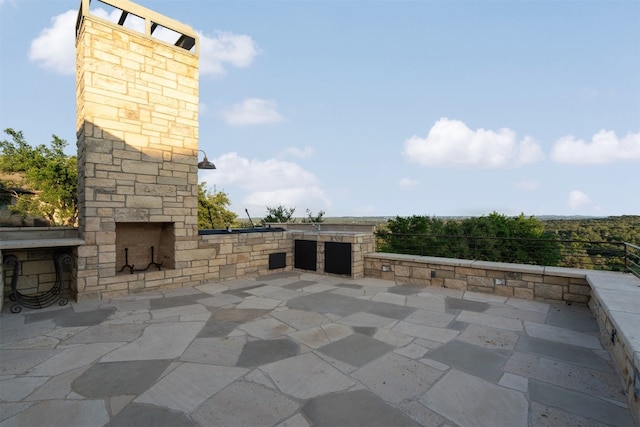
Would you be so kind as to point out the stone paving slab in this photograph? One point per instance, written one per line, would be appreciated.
(584, 403)
(301, 349)
(471, 401)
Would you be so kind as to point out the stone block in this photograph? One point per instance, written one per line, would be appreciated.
(443, 273)
(546, 291)
(151, 202)
(455, 284)
(475, 281)
(580, 289)
(532, 277)
(421, 273)
(106, 238)
(155, 190)
(131, 215)
(402, 271)
(524, 293)
(517, 283)
(504, 291)
(384, 275)
(583, 299)
(438, 282)
(87, 251)
(466, 271)
(228, 271)
(482, 289)
(496, 274)
(555, 280)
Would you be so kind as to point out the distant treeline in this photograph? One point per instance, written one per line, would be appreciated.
(580, 243)
(610, 229)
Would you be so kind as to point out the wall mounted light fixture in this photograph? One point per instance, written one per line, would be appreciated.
(205, 164)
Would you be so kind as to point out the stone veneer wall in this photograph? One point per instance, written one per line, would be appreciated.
(530, 282)
(137, 136)
(216, 257)
(242, 254)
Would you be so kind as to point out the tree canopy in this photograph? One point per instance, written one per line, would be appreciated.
(49, 174)
(494, 237)
(43, 181)
(279, 213)
(213, 209)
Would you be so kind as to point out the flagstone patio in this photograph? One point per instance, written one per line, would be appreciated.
(293, 349)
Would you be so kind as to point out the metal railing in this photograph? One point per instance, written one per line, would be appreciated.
(632, 259)
(595, 255)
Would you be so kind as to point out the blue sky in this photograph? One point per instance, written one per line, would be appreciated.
(382, 108)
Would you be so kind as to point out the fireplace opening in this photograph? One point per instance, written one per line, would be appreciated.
(143, 246)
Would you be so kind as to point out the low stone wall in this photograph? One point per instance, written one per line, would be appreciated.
(548, 284)
(215, 257)
(244, 254)
(615, 302)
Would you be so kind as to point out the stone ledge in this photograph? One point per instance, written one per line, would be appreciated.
(422, 259)
(40, 243)
(615, 301)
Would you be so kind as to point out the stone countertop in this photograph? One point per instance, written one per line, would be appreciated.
(40, 243)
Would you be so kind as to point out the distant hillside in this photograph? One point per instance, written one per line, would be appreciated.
(357, 219)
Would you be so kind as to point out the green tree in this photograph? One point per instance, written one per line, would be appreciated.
(48, 172)
(311, 218)
(213, 209)
(491, 238)
(280, 214)
(517, 239)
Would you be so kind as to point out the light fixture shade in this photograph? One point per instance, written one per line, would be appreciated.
(205, 163)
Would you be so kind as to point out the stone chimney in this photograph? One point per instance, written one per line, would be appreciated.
(137, 139)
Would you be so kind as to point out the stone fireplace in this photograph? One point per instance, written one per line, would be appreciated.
(137, 140)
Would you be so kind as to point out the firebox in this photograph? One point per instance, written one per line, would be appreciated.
(144, 246)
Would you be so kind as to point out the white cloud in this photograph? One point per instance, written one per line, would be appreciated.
(452, 143)
(268, 183)
(302, 153)
(252, 111)
(526, 185)
(579, 201)
(408, 182)
(605, 147)
(54, 48)
(223, 49)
